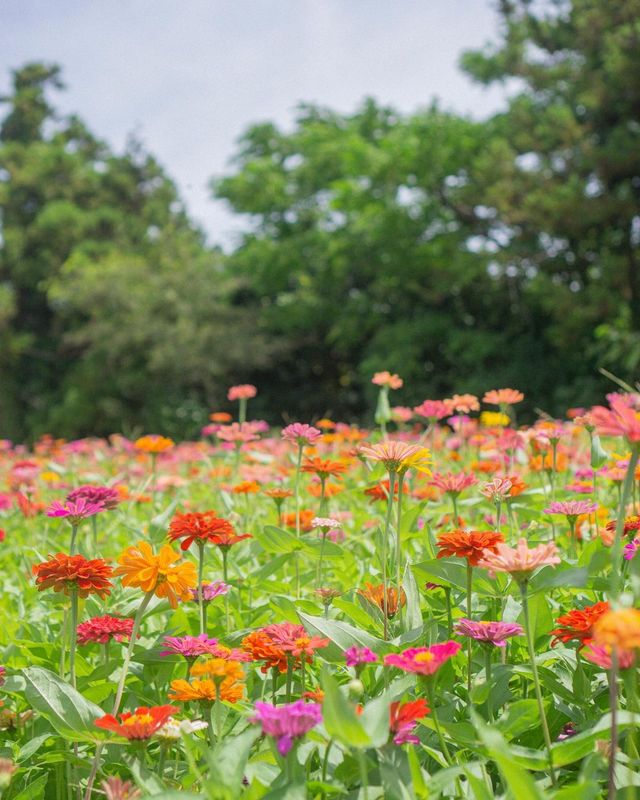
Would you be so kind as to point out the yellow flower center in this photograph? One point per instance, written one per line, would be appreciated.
(135, 719)
(424, 658)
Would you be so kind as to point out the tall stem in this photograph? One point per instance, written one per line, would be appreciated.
(536, 679)
(429, 684)
(399, 541)
(296, 492)
(72, 543)
(616, 550)
(613, 702)
(385, 539)
(73, 636)
(469, 640)
(200, 590)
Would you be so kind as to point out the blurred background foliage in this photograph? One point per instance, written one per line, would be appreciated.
(463, 254)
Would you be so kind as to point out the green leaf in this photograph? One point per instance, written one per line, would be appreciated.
(598, 454)
(35, 790)
(585, 790)
(342, 635)
(71, 714)
(277, 540)
(519, 783)
(229, 758)
(520, 717)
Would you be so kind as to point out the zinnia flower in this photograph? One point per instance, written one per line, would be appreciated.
(571, 508)
(243, 391)
(109, 497)
(153, 444)
(142, 568)
(323, 468)
(300, 433)
(398, 456)
(519, 561)
(495, 633)
(288, 722)
(206, 690)
(601, 655)
(115, 788)
(104, 629)
(463, 403)
(376, 596)
(423, 660)
(355, 656)
(189, 646)
(203, 527)
(261, 647)
(387, 379)
(472, 545)
(210, 591)
(140, 724)
(497, 490)
(621, 419)
(402, 720)
(453, 483)
(578, 624)
(619, 629)
(433, 410)
(502, 397)
(64, 573)
(75, 511)
(631, 524)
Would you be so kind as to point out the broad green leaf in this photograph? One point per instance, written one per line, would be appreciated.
(71, 714)
(411, 616)
(598, 454)
(342, 635)
(340, 718)
(228, 760)
(585, 790)
(277, 540)
(34, 790)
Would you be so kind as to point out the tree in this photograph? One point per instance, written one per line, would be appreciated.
(86, 235)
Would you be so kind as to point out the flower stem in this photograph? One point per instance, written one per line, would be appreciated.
(536, 679)
(385, 539)
(72, 543)
(429, 684)
(613, 702)
(73, 637)
(296, 491)
(447, 599)
(399, 542)
(469, 640)
(487, 673)
(616, 550)
(200, 592)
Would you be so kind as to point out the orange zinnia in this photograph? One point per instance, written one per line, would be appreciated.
(153, 443)
(619, 629)
(200, 526)
(142, 568)
(205, 691)
(141, 724)
(375, 595)
(324, 467)
(578, 624)
(472, 545)
(64, 573)
(261, 647)
(289, 520)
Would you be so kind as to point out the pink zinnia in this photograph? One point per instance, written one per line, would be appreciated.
(288, 722)
(244, 391)
(619, 420)
(631, 548)
(189, 646)
(601, 655)
(433, 410)
(210, 591)
(95, 494)
(236, 433)
(495, 633)
(76, 511)
(423, 660)
(453, 483)
(521, 560)
(500, 397)
(354, 656)
(391, 453)
(301, 433)
(571, 508)
(497, 490)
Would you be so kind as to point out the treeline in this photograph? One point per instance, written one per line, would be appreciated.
(462, 254)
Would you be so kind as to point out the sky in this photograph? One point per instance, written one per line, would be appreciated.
(187, 77)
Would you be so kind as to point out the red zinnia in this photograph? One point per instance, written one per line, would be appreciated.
(578, 624)
(140, 724)
(63, 573)
(203, 527)
(103, 629)
(472, 545)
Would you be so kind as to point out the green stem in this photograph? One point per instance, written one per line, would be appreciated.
(362, 763)
(296, 491)
(73, 637)
(225, 577)
(613, 703)
(447, 599)
(288, 682)
(72, 543)
(399, 542)
(469, 640)
(325, 763)
(200, 592)
(616, 550)
(242, 411)
(385, 539)
(274, 684)
(487, 672)
(429, 683)
(536, 678)
(324, 539)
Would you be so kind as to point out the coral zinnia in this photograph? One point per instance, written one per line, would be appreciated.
(201, 526)
(141, 567)
(103, 629)
(402, 720)
(578, 624)
(423, 660)
(503, 397)
(140, 724)
(64, 573)
(472, 545)
(453, 482)
(521, 560)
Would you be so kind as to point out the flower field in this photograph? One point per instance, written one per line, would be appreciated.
(445, 605)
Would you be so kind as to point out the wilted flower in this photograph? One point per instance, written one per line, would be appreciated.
(376, 596)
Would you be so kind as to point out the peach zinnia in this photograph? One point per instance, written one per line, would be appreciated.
(619, 629)
(521, 560)
(142, 568)
(503, 397)
(472, 545)
(65, 574)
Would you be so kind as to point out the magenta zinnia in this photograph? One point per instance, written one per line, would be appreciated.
(423, 660)
(287, 723)
(495, 633)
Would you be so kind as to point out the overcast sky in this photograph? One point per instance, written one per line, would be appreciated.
(188, 76)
